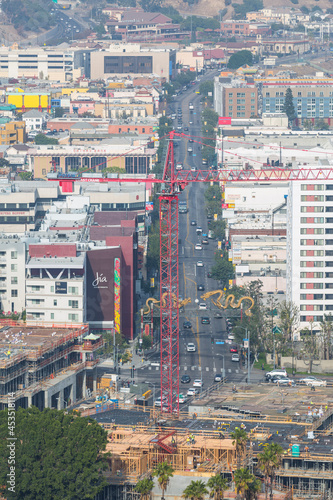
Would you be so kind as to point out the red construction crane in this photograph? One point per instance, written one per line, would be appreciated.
(172, 183)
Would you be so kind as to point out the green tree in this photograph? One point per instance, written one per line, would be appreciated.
(326, 337)
(244, 483)
(196, 490)
(4, 163)
(206, 88)
(289, 318)
(217, 485)
(144, 487)
(151, 5)
(43, 139)
(59, 112)
(164, 472)
(57, 455)
(288, 107)
(321, 125)
(153, 253)
(222, 269)
(269, 460)
(240, 439)
(240, 58)
(310, 348)
(25, 176)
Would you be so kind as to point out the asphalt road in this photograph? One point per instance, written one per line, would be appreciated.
(212, 353)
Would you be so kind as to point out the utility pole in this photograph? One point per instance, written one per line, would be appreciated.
(248, 358)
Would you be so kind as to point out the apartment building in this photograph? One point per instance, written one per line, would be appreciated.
(244, 28)
(235, 98)
(310, 249)
(312, 97)
(12, 273)
(12, 133)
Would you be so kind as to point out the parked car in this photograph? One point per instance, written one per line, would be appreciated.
(235, 357)
(276, 371)
(313, 381)
(186, 379)
(231, 336)
(284, 381)
(276, 378)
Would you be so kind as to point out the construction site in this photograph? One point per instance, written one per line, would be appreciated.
(198, 443)
(47, 367)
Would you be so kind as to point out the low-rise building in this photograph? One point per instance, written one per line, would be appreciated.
(12, 133)
(34, 120)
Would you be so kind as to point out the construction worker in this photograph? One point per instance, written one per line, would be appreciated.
(188, 441)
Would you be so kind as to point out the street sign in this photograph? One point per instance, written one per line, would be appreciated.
(276, 329)
(272, 313)
(219, 341)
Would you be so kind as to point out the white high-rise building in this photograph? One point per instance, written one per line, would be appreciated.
(310, 249)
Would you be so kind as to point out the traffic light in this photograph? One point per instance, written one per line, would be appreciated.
(212, 340)
(132, 371)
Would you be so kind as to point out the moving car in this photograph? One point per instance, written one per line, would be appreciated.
(199, 230)
(193, 222)
(198, 382)
(218, 315)
(231, 336)
(179, 166)
(200, 263)
(201, 288)
(233, 348)
(193, 169)
(198, 246)
(186, 379)
(205, 320)
(189, 149)
(202, 306)
(205, 241)
(158, 401)
(313, 381)
(187, 324)
(218, 377)
(191, 347)
(192, 391)
(181, 399)
(235, 357)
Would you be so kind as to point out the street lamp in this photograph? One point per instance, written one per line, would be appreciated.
(247, 334)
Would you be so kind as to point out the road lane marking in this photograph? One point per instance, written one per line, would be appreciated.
(207, 368)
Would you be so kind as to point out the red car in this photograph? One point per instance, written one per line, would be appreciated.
(233, 349)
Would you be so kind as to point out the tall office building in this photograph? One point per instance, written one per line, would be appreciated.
(310, 249)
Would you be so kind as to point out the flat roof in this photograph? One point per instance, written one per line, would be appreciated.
(23, 337)
(49, 262)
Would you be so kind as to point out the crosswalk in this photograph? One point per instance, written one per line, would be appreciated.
(197, 368)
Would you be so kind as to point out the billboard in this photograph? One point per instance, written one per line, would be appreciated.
(100, 279)
(149, 206)
(224, 120)
(117, 295)
(61, 287)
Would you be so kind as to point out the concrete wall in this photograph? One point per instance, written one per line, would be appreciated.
(323, 366)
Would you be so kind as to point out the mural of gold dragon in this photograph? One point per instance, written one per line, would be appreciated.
(229, 301)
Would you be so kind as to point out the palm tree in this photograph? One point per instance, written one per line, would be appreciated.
(217, 485)
(243, 481)
(269, 460)
(240, 439)
(144, 487)
(254, 488)
(164, 473)
(196, 490)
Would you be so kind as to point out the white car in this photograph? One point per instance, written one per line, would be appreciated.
(277, 371)
(181, 399)
(198, 382)
(191, 347)
(193, 169)
(200, 263)
(179, 165)
(202, 306)
(235, 357)
(313, 381)
(190, 149)
(198, 246)
(231, 336)
(192, 391)
(158, 401)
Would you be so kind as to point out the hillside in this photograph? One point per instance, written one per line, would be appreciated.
(212, 7)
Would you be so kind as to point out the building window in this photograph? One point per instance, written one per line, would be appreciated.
(55, 303)
(52, 315)
(14, 293)
(14, 280)
(13, 255)
(73, 317)
(73, 290)
(13, 267)
(52, 289)
(74, 304)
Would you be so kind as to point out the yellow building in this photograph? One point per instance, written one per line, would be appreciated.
(27, 100)
(12, 133)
